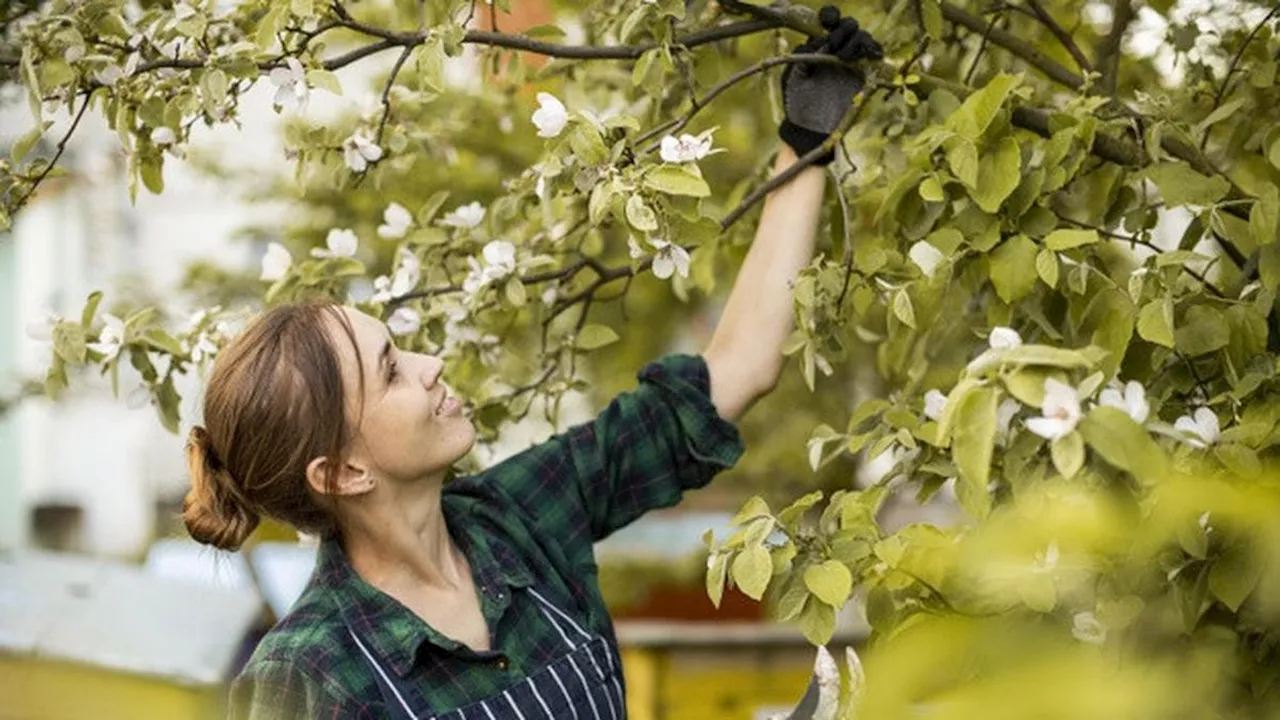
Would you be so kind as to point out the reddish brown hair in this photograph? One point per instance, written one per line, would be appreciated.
(274, 402)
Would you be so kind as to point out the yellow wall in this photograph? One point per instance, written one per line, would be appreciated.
(731, 683)
(42, 690)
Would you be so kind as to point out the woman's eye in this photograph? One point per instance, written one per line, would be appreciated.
(393, 372)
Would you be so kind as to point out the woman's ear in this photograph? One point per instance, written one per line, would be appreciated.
(351, 479)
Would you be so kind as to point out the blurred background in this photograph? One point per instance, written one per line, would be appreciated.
(108, 610)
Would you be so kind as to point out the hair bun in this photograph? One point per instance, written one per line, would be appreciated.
(214, 510)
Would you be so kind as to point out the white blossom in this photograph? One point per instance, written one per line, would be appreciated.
(1087, 628)
(934, 403)
(182, 11)
(1061, 411)
(73, 53)
(340, 242)
(276, 262)
(404, 321)
(499, 262)
(669, 258)
(551, 116)
(686, 148)
(464, 216)
(549, 296)
(926, 256)
(111, 338)
(395, 222)
(1133, 400)
(358, 151)
(113, 73)
(1003, 337)
(1202, 424)
(1004, 414)
(163, 136)
(402, 282)
(291, 85)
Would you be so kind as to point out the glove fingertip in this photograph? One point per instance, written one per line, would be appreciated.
(829, 17)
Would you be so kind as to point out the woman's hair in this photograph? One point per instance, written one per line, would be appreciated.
(274, 402)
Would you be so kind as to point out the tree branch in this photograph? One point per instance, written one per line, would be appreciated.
(1023, 49)
(1107, 54)
(1231, 70)
(806, 160)
(62, 146)
(1061, 34)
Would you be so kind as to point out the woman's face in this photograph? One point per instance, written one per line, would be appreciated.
(407, 425)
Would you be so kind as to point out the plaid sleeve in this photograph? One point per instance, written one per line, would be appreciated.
(642, 452)
(279, 690)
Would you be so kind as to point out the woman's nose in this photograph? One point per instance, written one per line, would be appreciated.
(431, 368)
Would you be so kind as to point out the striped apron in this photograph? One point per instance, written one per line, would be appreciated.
(582, 684)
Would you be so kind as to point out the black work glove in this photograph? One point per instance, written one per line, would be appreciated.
(815, 97)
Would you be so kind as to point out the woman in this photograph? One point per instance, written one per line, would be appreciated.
(477, 599)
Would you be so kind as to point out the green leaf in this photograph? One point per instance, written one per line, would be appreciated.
(545, 32)
(791, 513)
(752, 569)
(324, 80)
(1047, 267)
(931, 17)
(1181, 185)
(639, 215)
(1238, 459)
(1068, 454)
(753, 508)
(999, 173)
(903, 310)
(930, 189)
(1203, 331)
(980, 108)
(972, 445)
(677, 180)
(26, 141)
(1121, 441)
(1155, 322)
(69, 343)
(593, 337)
(90, 308)
(830, 581)
(1264, 216)
(587, 144)
(792, 599)
(962, 156)
(716, 572)
(818, 622)
(1067, 239)
(1009, 265)
(1234, 576)
(161, 340)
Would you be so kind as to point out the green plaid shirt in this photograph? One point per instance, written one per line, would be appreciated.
(530, 520)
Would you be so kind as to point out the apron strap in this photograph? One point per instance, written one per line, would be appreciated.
(385, 685)
(546, 604)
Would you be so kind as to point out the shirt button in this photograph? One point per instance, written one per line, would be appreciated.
(501, 663)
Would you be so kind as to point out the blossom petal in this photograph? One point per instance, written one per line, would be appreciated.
(934, 403)
(926, 257)
(1003, 337)
(1049, 428)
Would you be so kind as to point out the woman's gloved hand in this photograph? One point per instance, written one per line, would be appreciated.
(815, 97)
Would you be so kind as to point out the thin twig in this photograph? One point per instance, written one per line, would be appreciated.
(62, 146)
(1231, 70)
(1061, 34)
(982, 47)
(386, 93)
(805, 161)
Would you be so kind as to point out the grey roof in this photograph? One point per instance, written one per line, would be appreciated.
(116, 616)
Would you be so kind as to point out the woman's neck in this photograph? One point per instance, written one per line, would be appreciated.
(401, 540)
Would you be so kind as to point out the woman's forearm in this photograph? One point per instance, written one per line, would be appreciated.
(745, 353)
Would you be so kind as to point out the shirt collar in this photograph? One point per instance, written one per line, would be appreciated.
(391, 629)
